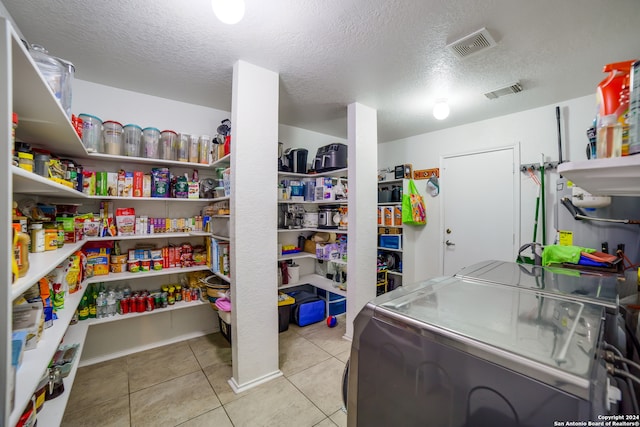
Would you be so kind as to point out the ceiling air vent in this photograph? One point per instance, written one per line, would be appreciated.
(506, 90)
(472, 44)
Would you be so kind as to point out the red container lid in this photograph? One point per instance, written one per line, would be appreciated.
(166, 130)
(15, 118)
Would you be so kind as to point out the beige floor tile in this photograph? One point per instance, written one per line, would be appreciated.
(296, 354)
(344, 356)
(218, 418)
(99, 383)
(113, 413)
(173, 402)
(158, 365)
(322, 384)
(218, 376)
(329, 339)
(325, 423)
(276, 403)
(339, 418)
(211, 350)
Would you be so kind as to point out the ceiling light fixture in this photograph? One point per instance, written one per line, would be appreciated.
(441, 109)
(228, 11)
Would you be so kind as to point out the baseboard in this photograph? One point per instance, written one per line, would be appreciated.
(115, 355)
(237, 388)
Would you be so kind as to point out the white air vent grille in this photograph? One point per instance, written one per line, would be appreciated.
(472, 44)
(507, 90)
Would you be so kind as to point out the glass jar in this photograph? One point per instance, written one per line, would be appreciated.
(132, 134)
(37, 238)
(151, 143)
(50, 236)
(168, 143)
(113, 137)
(51, 69)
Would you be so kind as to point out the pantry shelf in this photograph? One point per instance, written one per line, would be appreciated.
(113, 277)
(395, 273)
(131, 159)
(45, 262)
(317, 281)
(338, 173)
(177, 306)
(148, 236)
(223, 277)
(223, 238)
(317, 202)
(25, 182)
(319, 230)
(617, 176)
(154, 199)
(53, 410)
(388, 249)
(297, 255)
(35, 361)
(222, 161)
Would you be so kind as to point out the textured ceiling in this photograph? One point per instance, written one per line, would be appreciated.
(387, 54)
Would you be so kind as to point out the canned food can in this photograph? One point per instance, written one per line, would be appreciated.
(151, 303)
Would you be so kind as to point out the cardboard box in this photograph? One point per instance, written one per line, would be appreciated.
(138, 183)
(112, 184)
(27, 318)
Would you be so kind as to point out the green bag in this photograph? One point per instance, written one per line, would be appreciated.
(414, 211)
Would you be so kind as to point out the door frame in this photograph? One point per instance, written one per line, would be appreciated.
(516, 195)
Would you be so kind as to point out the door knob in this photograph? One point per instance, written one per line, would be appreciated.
(449, 243)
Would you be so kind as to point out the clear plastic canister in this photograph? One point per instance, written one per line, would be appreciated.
(182, 147)
(168, 143)
(194, 148)
(51, 69)
(151, 143)
(204, 145)
(113, 137)
(132, 134)
(92, 133)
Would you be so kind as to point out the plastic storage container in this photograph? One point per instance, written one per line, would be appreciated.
(92, 133)
(194, 148)
(204, 147)
(41, 164)
(182, 147)
(51, 69)
(113, 137)
(168, 142)
(151, 143)
(132, 135)
(609, 139)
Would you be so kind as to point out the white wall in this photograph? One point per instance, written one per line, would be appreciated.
(536, 132)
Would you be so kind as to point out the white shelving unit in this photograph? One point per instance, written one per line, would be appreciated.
(618, 176)
(397, 253)
(116, 277)
(285, 235)
(43, 123)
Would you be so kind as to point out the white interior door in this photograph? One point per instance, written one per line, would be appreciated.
(480, 194)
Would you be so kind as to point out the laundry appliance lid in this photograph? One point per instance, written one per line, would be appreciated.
(592, 287)
(547, 337)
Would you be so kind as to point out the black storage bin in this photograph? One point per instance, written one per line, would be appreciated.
(284, 314)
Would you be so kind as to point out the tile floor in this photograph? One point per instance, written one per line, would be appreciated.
(185, 384)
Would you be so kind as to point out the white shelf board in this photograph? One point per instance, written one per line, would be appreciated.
(317, 281)
(323, 230)
(221, 162)
(618, 176)
(177, 306)
(25, 182)
(35, 361)
(221, 216)
(297, 255)
(148, 236)
(223, 238)
(390, 203)
(390, 181)
(40, 116)
(132, 159)
(53, 410)
(390, 250)
(338, 173)
(113, 277)
(152, 199)
(337, 261)
(41, 264)
(395, 273)
(222, 276)
(315, 202)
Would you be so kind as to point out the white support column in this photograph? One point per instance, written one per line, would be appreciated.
(254, 153)
(363, 198)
